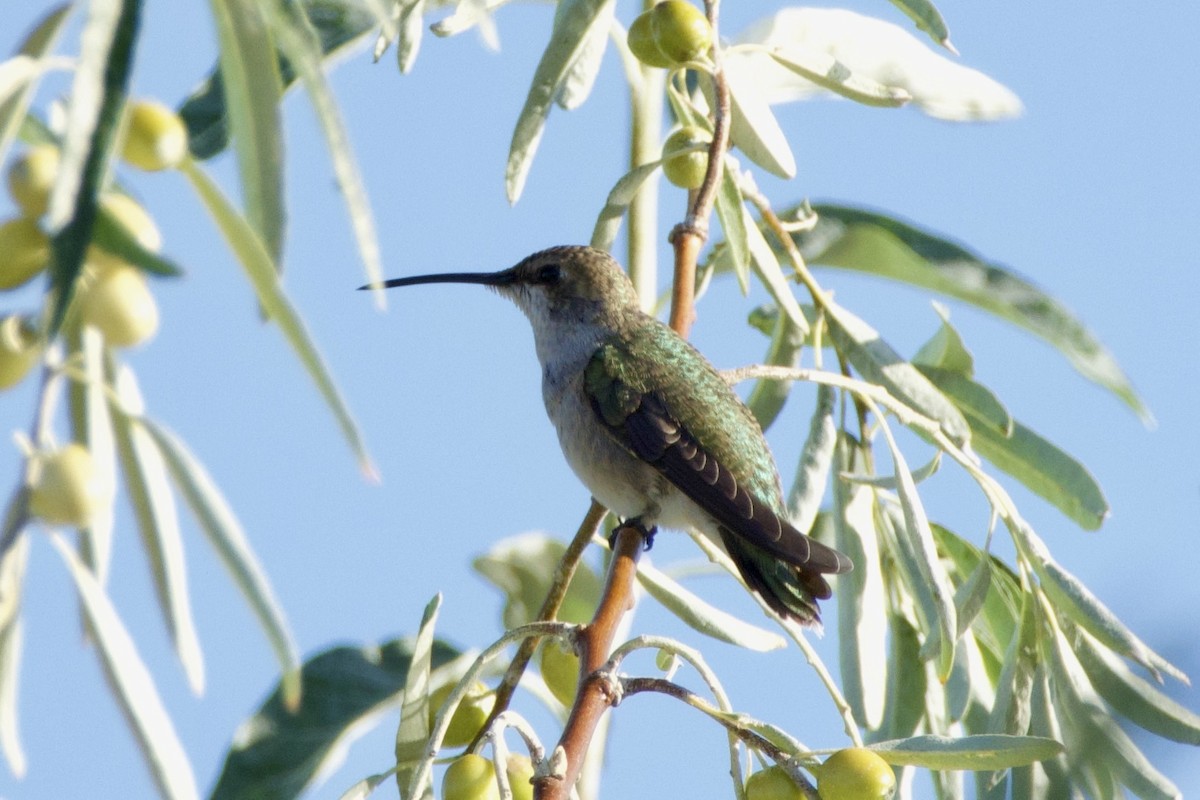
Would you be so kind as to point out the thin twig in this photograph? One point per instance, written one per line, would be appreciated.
(632, 686)
(595, 642)
(548, 612)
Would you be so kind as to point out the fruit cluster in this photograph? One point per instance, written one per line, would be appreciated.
(112, 295)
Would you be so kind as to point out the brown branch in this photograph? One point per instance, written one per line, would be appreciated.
(595, 642)
(548, 612)
(689, 236)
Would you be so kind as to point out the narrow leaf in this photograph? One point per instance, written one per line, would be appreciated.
(733, 222)
(111, 236)
(132, 684)
(302, 46)
(91, 425)
(608, 224)
(867, 241)
(225, 534)
(1044, 469)
(919, 538)
(567, 41)
(577, 84)
(982, 751)
(927, 18)
(906, 681)
(278, 752)
(412, 27)
(260, 270)
(1011, 711)
(978, 403)
(1072, 599)
(766, 267)
(253, 90)
(945, 350)
(1133, 696)
(862, 601)
(413, 730)
(827, 72)
(12, 579)
(997, 621)
(753, 128)
(878, 363)
(158, 523)
(702, 616)
(768, 396)
(97, 99)
(18, 75)
(816, 457)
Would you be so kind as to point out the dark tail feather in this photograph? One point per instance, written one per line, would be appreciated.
(792, 592)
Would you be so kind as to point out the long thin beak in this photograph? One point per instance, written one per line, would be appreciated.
(502, 278)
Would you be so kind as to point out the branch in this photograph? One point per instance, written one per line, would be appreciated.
(548, 612)
(688, 236)
(595, 641)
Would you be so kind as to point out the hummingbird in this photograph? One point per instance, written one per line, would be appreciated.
(651, 428)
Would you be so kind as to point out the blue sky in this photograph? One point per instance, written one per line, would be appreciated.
(1092, 194)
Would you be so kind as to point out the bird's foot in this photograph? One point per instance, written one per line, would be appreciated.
(647, 533)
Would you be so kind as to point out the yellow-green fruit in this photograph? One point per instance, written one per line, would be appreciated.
(31, 177)
(155, 137)
(641, 43)
(66, 487)
(24, 252)
(470, 777)
(470, 715)
(118, 303)
(772, 783)
(855, 774)
(18, 350)
(680, 30)
(560, 671)
(520, 776)
(134, 219)
(686, 169)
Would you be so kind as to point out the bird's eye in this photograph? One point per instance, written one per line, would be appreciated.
(549, 273)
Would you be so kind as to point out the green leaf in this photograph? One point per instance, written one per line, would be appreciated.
(704, 617)
(945, 350)
(1044, 469)
(413, 731)
(928, 19)
(996, 623)
(91, 426)
(906, 676)
(12, 580)
(1011, 710)
(1097, 747)
(19, 75)
(1073, 600)
(978, 403)
(982, 751)
(816, 458)
(226, 536)
(522, 567)
(770, 273)
(867, 241)
(132, 684)
(276, 753)
(582, 76)
(862, 600)
(97, 100)
(567, 42)
(753, 128)
(733, 222)
(301, 43)
(1132, 696)
(257, 264)
(153, 505)
(877, 362)
(412, 27)
(768, 396)
(112, 237)
(253, 90)
(827, 72)
(339, 25)
(608, 224)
